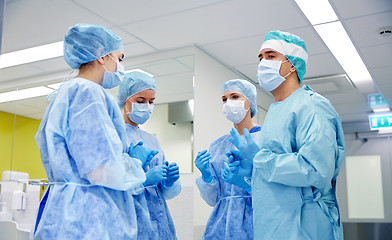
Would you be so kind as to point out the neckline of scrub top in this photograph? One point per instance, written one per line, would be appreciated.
(289, 97)
(255, 129)
(127, 124)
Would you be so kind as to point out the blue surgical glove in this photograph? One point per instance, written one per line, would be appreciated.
(144, 154)
(156, 175)
(203, 164)
(238, 165)
(173, 174)
(234, 179)
(247, 151)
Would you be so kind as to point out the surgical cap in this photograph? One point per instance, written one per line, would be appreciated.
(134, 82)
(247, 90)
(84, 43)
(293, 47)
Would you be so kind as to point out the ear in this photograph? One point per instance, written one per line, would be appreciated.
(101, 60)
(292, 69)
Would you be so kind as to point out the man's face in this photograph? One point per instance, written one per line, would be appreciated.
(270, 54)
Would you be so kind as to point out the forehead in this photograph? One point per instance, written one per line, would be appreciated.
(149, 93)
(230, 93)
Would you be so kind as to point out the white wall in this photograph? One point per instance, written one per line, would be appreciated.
(373, 146)
(175, 140)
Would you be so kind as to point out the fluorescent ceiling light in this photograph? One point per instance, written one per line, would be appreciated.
(383, 109)
(55, 85)
(339, 43)
(317, 11)
(29, 55)
(25, 93)
(139, 70)
(385, 130)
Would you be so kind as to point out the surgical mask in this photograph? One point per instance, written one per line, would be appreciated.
(141, 112)
(268, 74)
(113, 79)
(234, 110)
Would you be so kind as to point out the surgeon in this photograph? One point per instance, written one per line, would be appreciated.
(136, 95)
(293, 172)
(230, 196)
(91, 168)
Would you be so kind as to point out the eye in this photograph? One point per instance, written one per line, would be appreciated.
(235, 97)
(224, 100)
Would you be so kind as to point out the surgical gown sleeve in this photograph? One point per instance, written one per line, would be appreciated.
(96, 148)
(312, 159)
(208, 191)
(170, 192)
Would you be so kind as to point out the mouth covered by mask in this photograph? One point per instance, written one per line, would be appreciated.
(268, 74)
(234, 110)
(113, 79)
(141, 112)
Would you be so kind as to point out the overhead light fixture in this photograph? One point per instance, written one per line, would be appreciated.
(55, 85)
(317, 11)
(325, 21)
(379, 110)
(139, 70)
(29, 55)
(25, 93)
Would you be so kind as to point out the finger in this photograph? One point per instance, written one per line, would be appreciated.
(231, 159)
(248, 137)
(237, 155)
(173, 168)
(172, 164)
(167, 163)
(234, 164)
(201, 152)
(236, 138)
(173, 173)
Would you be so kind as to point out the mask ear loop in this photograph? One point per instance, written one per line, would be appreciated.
(287, 73)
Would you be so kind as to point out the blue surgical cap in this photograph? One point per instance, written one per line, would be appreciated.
(293, 47)
(247, 90)
(84, 43)
(134, 82)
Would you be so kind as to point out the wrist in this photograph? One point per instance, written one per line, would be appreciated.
(206, 179)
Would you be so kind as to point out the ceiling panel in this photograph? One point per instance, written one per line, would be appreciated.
(215, 23)
(136, 49)
(355, 8)
(369, 25)
(170, 66)
(382, 75)
(378, 56)
(129, 11)
(34, 23)
(322, 65)
(16, 72)
(52, 65)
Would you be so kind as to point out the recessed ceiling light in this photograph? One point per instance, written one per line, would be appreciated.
(29, 55)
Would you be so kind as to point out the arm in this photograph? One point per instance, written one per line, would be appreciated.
(314, 162)
(97, 150)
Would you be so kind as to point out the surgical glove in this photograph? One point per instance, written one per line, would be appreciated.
(231, 178)
(173, 174)
(144, 154)
(239, 165)
(203, 164)
(248, 148)
(155, 175)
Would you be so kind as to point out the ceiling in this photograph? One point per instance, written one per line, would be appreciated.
(231, 31)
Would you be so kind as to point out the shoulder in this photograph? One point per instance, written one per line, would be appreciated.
(220, 141)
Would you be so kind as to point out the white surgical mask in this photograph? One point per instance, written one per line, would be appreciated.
(234, 110)
(141, 112)
(113, 79)
(268, 74)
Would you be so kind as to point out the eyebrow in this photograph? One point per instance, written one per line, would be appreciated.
(267, 52)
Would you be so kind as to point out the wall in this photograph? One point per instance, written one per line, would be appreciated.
(24, 154)
(373, 146)
(175, 140)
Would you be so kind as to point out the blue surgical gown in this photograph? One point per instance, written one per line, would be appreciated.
(231, 217)
(82, 141)
(294, 174)
(153, 216)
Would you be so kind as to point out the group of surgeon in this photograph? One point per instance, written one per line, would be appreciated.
(109, 179)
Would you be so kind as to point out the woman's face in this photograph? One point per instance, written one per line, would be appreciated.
(111, 60)
(146, 96)
(232, 95)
